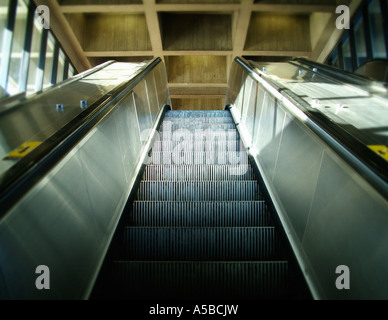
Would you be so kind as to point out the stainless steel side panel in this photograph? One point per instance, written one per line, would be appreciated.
(347, 225)
(67, 220)
(152, 95)
(143, 108)
(251, 110)
(54, 225)
(297, 167)
(128, 132)
(104, 171)
(331, 214)
(161, 85)
(269, 133)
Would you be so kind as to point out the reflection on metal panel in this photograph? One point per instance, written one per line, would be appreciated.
(162, 86)
(240, 76)
(261, 96)
(50, 226)
(101, 159)
(348, 226)
(32, 123)
(128, 135)
(38, 118)
(67, 220)
(251, 110)
(246, 97)
(152, 95)
(269, 135)
(297, 167)
(362, 109)
(142, 107)
(332, 215)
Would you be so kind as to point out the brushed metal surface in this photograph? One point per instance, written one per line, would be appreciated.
(152, 95)
(331, 214)
(128, 135)
(296, 172)
(348, 226)
(143, 108)
(104, 170)
(67, 220)
(37, 119)
(269, 134)
(54, 226)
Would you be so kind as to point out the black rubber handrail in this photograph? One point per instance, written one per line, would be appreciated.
(25, 173)
(366, 162)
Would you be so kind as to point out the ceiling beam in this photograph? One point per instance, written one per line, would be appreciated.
(153, 25)
(241, 14)
(241, 26)
(197, 96)
(120, 8)
(276, 53)
(240, 19)
(293, 8)
(118, 53)
(198, 85)
(198, 8)
(195, 53)
(65, 35)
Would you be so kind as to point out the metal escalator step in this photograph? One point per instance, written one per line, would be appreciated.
(193, 126)
(200, 214)
(200, 120)
(198, 146)
(197, 113)
(196, 135)
(198, 280)
(202, 157)
(198, 227)
(198, 191)
(201, 243)
(198, 173)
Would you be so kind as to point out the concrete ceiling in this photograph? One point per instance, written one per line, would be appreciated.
(197, 39)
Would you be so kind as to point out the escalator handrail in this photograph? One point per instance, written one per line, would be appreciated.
(21, 97)
(24, 174)
(368, 164)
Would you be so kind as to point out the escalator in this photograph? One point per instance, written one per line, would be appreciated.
(119, 196)
(199, 226)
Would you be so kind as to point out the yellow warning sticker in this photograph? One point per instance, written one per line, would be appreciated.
(382, 151)
(23, 149)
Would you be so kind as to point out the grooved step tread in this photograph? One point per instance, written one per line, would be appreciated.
(200, 214)
(201, 120)
(198, 227)
(198, 191)
(201, 243)
(198, 173)
(197, 114)
(193, 125)
(197, 135)
(188, 157)
(198, 279)
(198, 146)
